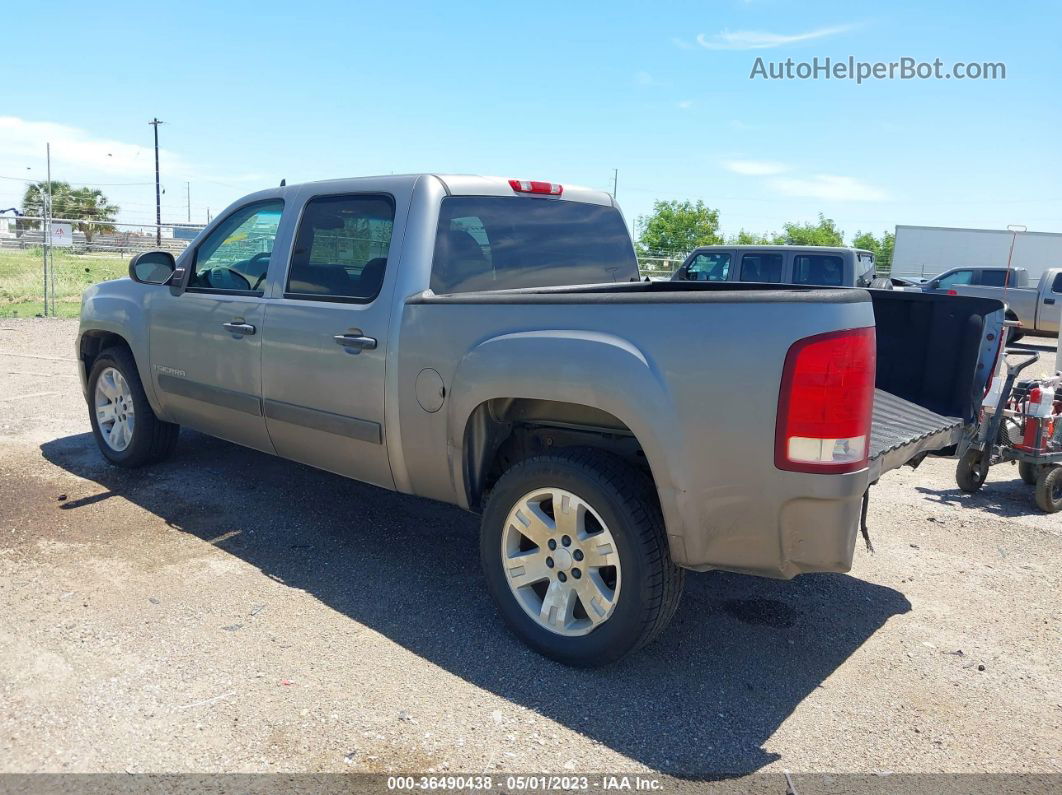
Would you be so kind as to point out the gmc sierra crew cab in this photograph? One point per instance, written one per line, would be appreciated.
(487, 342)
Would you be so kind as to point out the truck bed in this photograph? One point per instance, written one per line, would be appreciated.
(901, 430)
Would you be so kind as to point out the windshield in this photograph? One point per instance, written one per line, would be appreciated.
(499, 243)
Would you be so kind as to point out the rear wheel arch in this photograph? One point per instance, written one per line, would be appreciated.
(501, 432)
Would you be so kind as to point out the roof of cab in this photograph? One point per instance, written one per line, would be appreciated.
(783, 247)
(473, 185)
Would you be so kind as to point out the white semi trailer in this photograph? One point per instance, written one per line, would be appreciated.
(925, 251)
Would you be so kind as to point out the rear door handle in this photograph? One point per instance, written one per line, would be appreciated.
(1049, 300)
(239, 328)
(356, 342)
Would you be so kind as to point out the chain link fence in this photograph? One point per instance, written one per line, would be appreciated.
(43, 259)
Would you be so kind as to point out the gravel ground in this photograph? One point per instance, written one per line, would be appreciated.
(228, 611)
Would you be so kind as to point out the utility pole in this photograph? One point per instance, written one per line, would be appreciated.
(158, 192)
(188, 187)
(615, 181)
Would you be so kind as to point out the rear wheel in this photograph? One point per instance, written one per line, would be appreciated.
(1049, 489)
(575, 555)
(971, 471)
(1028, 472)
(126, 429)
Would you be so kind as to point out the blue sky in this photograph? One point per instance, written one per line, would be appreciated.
(253, 92)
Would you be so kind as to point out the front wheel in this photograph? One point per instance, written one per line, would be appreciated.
(971, 471)
(575, 556)
(1049, 489)
(126, 429)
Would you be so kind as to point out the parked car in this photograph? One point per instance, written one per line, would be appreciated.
(825, 266)
(486, 342)
(1036, 307)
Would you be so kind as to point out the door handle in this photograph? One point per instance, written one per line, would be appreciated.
(1049, 300)
(239, 328)
(356, 342)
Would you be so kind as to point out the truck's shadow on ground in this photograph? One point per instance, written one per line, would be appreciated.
(741, 654)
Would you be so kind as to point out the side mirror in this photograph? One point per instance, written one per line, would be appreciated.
(152, 267)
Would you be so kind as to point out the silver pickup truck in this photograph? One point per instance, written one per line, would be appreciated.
(1036, 307)
(487, 343)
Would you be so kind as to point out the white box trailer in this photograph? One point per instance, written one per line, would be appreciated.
(925, 251)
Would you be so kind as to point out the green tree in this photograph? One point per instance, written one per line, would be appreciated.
(824, 233)
(33, 201)
(882, 248)
(676, 227)
(744, 238)
(92, 211)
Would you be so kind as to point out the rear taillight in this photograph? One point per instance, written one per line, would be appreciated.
(534, 186)
(825, 403)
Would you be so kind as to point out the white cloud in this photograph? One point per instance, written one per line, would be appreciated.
(755, 168)
(684, 104)
(125, 171)
(763, 40)
(644, 79)
(76, 152)
(830, 187)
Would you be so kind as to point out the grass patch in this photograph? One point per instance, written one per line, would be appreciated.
(22, 279)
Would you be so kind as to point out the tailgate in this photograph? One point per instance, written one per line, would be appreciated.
(901, 430)
(935, 353)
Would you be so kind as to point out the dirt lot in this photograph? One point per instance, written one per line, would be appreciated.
(228, 611)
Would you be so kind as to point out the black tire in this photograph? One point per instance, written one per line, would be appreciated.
(1028, 472)
(627, 504)
(153, 440)
(1049, 489)
(969, 473)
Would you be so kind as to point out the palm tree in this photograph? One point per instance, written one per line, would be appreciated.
(33, 202)
(90, 210)
(93, 213)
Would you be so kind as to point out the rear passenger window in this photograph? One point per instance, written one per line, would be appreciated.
(993, 278)
(765, 267)
(822, 269)
(709, 268)
(341, 248)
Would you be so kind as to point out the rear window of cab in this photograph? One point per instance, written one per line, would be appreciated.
(501, 243)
